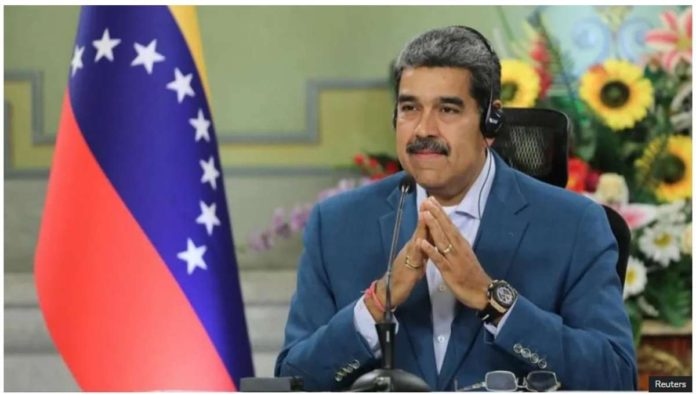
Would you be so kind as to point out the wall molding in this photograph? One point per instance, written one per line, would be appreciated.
(310, 135)
(7, 162)
(35, 78)
(313, 89)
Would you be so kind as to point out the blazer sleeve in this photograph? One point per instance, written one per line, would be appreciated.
(321, 344)
(589, 344)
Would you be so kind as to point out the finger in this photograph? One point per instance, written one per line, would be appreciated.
(418, 258)
(431, 205)
(414, 251)
(421, 228)
(423, 207)
(401, 269)
(437, 258)
(441, 241)
(420, 232)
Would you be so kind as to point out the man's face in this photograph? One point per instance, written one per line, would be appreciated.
(438, 139)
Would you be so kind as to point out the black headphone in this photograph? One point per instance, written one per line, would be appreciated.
(492, 118)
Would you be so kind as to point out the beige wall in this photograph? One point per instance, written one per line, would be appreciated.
(295, 91)
(261, 62)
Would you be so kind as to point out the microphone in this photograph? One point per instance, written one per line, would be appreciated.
(406, 186)
(387, 378)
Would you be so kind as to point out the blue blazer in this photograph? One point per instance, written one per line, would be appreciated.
(554, 246)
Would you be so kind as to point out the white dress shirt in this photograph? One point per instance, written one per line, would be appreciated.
(467, 217)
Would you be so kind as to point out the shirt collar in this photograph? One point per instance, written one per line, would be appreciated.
(470, 203)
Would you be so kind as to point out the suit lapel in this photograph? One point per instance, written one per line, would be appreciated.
(499, 235)
(414, 339)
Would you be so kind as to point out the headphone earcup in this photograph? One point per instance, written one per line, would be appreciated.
(492, 122)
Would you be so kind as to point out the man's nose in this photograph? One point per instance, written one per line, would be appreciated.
(427, 124)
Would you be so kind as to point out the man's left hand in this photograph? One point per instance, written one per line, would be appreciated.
(454, 257)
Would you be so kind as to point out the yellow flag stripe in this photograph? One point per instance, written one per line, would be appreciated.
(187, 19)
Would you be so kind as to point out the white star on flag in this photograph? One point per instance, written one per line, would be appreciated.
(210, 174)
(105, 46)
(76, 62)
(181, 85)
(201, 125)
(193, 256)
(208, 217)
(147, 56)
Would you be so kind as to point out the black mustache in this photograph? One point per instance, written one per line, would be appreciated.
(428, 144)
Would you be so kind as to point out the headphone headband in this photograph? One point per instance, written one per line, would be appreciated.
(491, 118)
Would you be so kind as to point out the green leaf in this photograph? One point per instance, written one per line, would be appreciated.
(606, 158)
(667, 290)
(585, 144)
(560, 64)
(584, 138)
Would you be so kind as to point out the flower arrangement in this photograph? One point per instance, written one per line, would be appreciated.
(631, 148)
(658, 275)
(283, 225)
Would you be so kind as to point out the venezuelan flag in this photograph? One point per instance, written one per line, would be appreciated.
(135, 266)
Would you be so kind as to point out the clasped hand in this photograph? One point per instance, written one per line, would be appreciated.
(438, 239)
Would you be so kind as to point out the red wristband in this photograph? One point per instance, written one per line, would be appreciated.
(371, 292)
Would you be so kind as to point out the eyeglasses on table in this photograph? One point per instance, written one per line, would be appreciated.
(538, 381)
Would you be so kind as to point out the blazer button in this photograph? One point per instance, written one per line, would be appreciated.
(526, 353)
(517, 348)
(542, 364)
(355, 364)
(534, 358)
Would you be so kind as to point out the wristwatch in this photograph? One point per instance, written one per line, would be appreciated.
(501, 296)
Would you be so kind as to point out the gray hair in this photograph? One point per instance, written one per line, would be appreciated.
(455, 46)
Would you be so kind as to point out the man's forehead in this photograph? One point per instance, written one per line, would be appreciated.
(435, 68)
(434, 83)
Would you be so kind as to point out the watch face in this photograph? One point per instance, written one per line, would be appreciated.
(505, 295)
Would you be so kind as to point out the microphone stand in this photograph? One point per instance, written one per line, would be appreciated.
(387, 378)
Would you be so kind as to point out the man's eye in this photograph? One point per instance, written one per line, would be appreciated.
(450, 110)
(407, 107)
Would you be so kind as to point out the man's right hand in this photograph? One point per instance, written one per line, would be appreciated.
(404, 276)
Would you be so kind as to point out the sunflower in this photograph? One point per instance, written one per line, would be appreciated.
(617, 92)
(666, 165)
(519, 84)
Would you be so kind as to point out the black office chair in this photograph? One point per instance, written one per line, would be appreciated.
(535, 141)
(623, 238)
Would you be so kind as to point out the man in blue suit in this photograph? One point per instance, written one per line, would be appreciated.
(496, 271)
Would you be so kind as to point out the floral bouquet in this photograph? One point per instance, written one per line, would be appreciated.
(630, 147)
